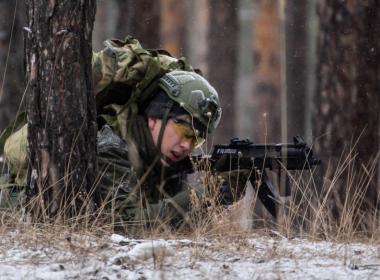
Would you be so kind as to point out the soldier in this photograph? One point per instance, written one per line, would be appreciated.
(153, 111)
(142, 178)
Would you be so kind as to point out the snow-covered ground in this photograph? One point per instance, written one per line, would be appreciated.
(252, 257)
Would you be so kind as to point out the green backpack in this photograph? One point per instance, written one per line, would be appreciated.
(124, 76)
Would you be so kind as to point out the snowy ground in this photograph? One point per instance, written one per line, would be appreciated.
(254, 257)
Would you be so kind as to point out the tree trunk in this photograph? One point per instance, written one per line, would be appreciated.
(244, 86)
(296, 66)
(61, 107)
(266, 95)
(348, 88)
(197, 17)
(173, 32)
(223, 61)
(105, 23)
(12, 86)
(140, 19)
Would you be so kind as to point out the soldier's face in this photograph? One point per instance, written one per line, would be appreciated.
(177, 141)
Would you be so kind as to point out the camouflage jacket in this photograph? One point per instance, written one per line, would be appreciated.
(132, 202)
(120, 73)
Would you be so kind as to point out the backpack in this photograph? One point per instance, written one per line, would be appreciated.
(124, 77)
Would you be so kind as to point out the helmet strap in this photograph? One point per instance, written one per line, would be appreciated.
(167, 109)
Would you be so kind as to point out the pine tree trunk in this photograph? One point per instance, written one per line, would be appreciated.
(12, 76)
(197, 24)
(348, 89)
(173, 21)
(140, 19)
(296, 66)
(244, 87)
(105, 23)
(266, 95)
(61, 107)
(223, 61)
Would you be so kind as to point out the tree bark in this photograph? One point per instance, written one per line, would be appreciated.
(197, 25)
(223, 42)
(266, 95)
(141, 19)
(105, 23)
(61, 107)
(173, 21)
(244, 87)
(12, 76)
(347, 96)
(296, 66)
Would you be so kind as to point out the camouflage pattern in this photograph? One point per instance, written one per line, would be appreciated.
(195, 95)
(126, 63)
(122, 73)
(124, 194)
(15, 153)
(11, 194)
(12, 184)
(129, 63)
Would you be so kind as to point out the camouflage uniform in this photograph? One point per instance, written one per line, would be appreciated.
(133, 184)
(137, 194)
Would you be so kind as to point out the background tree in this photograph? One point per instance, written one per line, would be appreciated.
(296, 66)
(266, 94)
(61, 106)
(348, 98)
(105, 22)
(244, 82)
(197, 23)
(173, 22)
(12, 76)
(222, 60)
(140, 19)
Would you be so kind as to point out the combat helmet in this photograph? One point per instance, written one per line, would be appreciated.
(194, 94)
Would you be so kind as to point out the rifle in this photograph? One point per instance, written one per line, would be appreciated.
(244, 155)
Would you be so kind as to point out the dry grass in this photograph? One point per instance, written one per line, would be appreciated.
(220, 236)
(337, 210)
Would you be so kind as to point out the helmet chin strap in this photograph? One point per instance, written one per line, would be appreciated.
(164, 121)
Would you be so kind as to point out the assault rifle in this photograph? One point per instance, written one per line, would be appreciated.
(244, 155)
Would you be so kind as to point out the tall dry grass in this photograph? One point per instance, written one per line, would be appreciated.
(334, 206)
(337, 210)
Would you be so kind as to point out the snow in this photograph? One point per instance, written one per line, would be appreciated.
(250, 257)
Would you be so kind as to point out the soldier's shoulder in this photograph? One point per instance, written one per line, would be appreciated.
(108, 139)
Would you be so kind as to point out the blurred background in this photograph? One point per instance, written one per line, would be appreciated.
(240, 47)
(282, 68)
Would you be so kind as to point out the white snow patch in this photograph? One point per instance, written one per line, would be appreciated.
(117, 238)
(150, 249)
(157, 249)
(117, 257)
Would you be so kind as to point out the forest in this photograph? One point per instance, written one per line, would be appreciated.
(281, 69)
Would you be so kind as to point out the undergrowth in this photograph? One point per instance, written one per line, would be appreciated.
(337, 209)
(332, 205)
